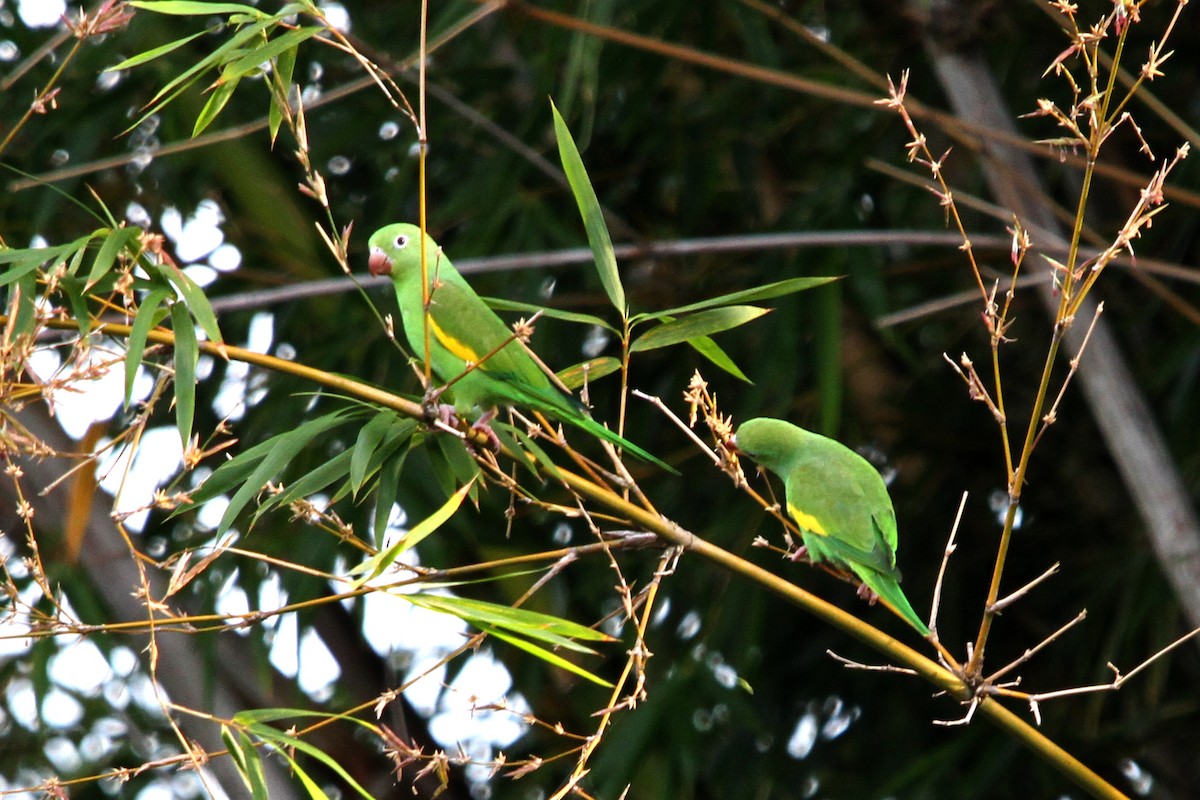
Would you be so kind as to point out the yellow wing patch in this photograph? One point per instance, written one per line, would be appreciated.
(807, 521)
(453, 345)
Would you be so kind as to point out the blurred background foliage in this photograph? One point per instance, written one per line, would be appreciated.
(678, 151)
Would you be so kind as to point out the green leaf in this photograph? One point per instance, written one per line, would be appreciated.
(385, 493)
(377, 563)
(593, 369)
(542, 457)
(216, 102)
(706, 347)
(285, 67)
(694, 326)
(26, 297)
(553, 630)
(284, 742)
(507, 435)
(247, 760)
(589, 209)
(187, 353)
(311, 482)
(24, 262)
(312, 787)
(254, 59)
(77, 299)
(114, 242)
(196, 300)
(546, 655)
(827, 359)
(189, 76)
(365, 445)
(27, 260)
(147, 317)
(150, 55)
(456, 466)
(195, 8)
(500, 304)
(777, 289)
(253, 468)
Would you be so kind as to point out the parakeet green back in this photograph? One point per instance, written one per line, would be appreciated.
(463, 331)
(839, 502)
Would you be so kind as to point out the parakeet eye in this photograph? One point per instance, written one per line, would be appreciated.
(401, 241)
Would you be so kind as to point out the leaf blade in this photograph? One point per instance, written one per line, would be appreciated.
(589, 209)
(702, 323)
(765, 292)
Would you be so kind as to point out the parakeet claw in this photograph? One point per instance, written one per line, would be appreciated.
(482, 425)
(436, 412)
(867, 593)
(799, 554)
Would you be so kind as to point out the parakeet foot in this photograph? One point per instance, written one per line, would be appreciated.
(867, 593)
(436, 412)
(482, 426)
(799, 554)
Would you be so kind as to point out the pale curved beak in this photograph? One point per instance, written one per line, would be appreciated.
(379, 263)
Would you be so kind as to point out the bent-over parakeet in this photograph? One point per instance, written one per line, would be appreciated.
(463, 331)
(839, 502)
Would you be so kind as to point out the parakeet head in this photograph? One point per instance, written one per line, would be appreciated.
(394, 249)
(770, 442)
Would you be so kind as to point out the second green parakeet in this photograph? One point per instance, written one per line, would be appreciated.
(464, 331)
(839, 502)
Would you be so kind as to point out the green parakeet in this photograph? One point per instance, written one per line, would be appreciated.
(839, 502)
(464, 331)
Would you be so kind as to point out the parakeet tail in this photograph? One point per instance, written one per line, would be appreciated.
(890, 592)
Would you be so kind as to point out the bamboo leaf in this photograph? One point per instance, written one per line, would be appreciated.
(194, 8)
(114, 242)
(706, 347)
(253, 468)
(593, 369)
(589, 209)
(500, 304)
(520, 621)
(254, 59)
(273, 462)
(150, 55)
(196, 300)
(328, 471)
(187, 353)
(25, 296)
(312, 787)
(27, 260)
(135, 347)
(285, 67)
(375, 565)
(365, 446)
(221, 54)
(192, 74)
(216, 102)
(543, 459)
(695, 325)
(547, 656)
(284, 742)
(247, 760)
(386, 490)
(76, 298)
(776, 289)
(508, 441)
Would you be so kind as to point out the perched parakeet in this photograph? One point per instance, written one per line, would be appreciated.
(463, 331)
(839, 502)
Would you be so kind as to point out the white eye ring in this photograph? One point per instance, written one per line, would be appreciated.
(402, 241)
